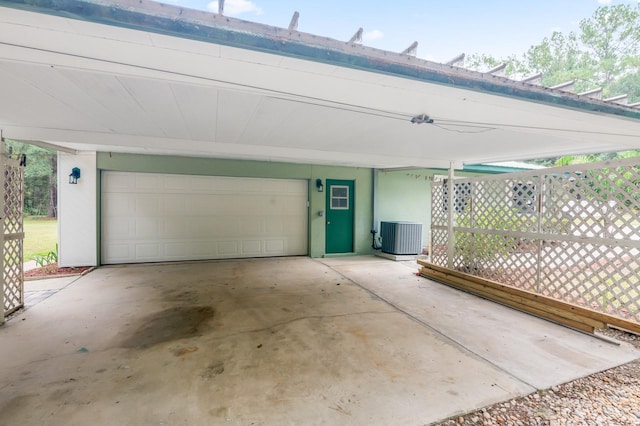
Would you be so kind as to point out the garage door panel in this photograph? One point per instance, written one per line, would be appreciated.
(274, 227)
(148, 181)
(177, 205)
(251, 247)
(251, 226)
(175, 250)
(179, 228)
(118, 252)
(176, 183)
(119, 205)
(274, 247)
(147, 251)
(147, 205)
(120, 228)
(147, 227)
(122, 182)
(228, 249)
(155, 217)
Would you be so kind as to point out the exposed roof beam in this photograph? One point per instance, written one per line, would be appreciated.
(293, 25)
(635, 105)
(535, 79)
(411, 50)
(499, 70)
(357, 37)
(593, 93)
(457, 61)
(620, 99)
(567, 86)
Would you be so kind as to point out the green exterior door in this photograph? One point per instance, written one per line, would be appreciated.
(340, 208)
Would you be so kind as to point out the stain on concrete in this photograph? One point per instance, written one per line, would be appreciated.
(181, 295)
(61, 394)
(377, 361)
(213, 370)
(171, 324)
(219, 412)
(181, 350)
(340, 409)
(17, 405)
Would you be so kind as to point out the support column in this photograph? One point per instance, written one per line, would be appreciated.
(450, 222)
(2, 190)
(375, 228)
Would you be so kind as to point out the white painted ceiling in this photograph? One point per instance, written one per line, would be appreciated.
(89, 86)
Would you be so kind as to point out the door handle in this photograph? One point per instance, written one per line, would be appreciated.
(328, 223)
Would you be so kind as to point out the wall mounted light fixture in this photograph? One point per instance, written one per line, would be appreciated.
(319, 185)
(74, 176)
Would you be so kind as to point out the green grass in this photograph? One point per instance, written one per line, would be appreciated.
(40, 237)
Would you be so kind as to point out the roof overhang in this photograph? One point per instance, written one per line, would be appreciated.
(143, 77)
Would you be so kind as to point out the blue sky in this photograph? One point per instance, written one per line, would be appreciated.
(443, 28)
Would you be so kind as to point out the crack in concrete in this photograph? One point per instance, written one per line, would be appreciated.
(306, 317)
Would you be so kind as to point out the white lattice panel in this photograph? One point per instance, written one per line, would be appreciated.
(13, 273)
(571, 233)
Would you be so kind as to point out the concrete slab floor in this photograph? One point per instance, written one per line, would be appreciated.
(37, 290)
(537, 352)
(267, 341)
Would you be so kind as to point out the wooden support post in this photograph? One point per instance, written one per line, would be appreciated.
(2, 201)
(450, 201)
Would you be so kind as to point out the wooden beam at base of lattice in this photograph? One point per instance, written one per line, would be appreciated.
(555, 310)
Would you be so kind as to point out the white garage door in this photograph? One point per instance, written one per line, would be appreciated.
(148, 217)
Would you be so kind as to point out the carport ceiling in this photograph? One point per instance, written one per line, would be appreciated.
(158, 79)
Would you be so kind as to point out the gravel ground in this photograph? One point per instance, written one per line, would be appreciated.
(609, 398)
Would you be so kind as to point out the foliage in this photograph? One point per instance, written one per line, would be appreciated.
(619, 184)
(604, 53)
(583, 159)
(481, 248)
(48, 260)
(611, 39)
(40, 179)
(560, 60)
(39, 236)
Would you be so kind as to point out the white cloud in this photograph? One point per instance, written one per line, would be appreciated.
(372, 35)
(236, 7)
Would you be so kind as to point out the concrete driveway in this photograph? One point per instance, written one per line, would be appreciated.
(353, 340)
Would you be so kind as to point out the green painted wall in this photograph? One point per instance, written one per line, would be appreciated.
(237, 168)
(405, 195)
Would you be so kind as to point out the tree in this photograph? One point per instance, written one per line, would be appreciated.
(611, 39)
(560, 59)
(483, 62)
(40, 179)
(605, 53)
(629, 83)
(574, 159)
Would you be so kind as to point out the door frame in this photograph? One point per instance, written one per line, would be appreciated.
(351, 184)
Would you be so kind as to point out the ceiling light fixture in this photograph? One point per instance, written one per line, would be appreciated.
(422, 118)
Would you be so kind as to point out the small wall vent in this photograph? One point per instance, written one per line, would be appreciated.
(401, 237)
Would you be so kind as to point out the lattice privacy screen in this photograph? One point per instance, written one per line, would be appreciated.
(13, 235)
(572, 233)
